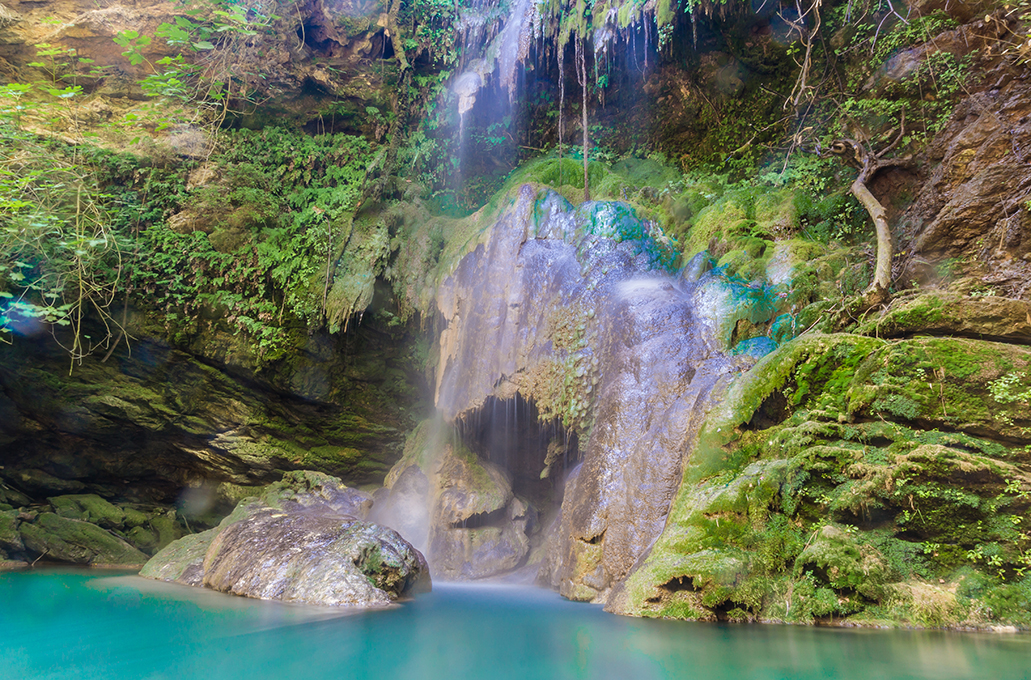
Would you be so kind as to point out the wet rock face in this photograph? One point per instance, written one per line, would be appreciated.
(319, 54)
(460, 509)
(478, 527)
(973, 201)
(572, 311)
(296, 542)
(153, 420)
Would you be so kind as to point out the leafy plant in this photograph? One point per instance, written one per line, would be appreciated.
(60, 257)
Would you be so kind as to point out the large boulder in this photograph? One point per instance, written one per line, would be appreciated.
(460, 508)
(313, 559)
(301, 540)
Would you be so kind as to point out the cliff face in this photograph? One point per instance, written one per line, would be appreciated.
(321, 62)
(972, 207)
(601, 420)
(153, 419)
(566, 317)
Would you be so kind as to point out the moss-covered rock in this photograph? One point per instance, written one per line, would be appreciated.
(843, 563)
(841, 477)
(89, 508)
(10, 539)
(181, 561)
(75, 541)
(954, 313)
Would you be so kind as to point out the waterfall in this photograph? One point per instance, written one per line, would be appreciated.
(497, 54)
(571, 372)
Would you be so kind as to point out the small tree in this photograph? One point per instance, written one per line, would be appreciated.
(856, 155)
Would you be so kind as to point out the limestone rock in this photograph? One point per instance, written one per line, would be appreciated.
(13, 498)
(181, 561)
(40, 482)
(70, 540)
(405, 505)
(460, 508)
(572, 311)
(971, 209)
(464, 553)
(312, 559)
(295, 543)
(470, 488)
(954, 314)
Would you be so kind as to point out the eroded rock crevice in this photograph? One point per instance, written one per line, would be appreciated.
(477, 496)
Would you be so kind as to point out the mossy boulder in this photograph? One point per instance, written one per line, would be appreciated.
(297, 491)
(89, 508)
(68, 540)
(11, 543)
(841, 477)
(469, 487)
(973, 386)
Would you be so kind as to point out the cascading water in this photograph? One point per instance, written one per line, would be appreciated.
(498, 52)
(516, 57)
(569, 346)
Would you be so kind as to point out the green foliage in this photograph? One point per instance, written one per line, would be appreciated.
(277, 218)
(1010, 389)
(203, 73)
(61, 256)
(919, 99)
(435, 28)
(905, 34)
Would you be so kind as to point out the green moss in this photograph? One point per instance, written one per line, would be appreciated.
(728, 216)
(845, 564)
(1010, 602)
(77, 542)
(939, 380)
(818, 471)
(89, 508)
(916, 314)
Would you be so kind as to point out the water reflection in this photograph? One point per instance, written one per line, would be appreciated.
(73, 625)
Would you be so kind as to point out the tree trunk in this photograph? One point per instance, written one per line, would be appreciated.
(878, 290)
(560, 55)
(855, 154)
(582, 66)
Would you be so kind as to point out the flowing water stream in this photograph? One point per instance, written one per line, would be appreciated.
(71, 624)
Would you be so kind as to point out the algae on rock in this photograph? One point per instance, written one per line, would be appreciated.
(845, 477)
